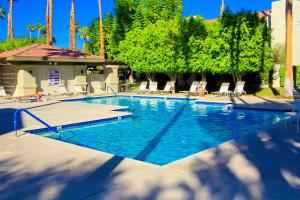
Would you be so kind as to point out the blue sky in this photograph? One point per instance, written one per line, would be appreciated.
(33, 11)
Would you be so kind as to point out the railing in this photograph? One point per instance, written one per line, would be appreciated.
(112, 90)
(34, 117)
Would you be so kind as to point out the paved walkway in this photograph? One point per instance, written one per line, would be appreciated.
(263, 166)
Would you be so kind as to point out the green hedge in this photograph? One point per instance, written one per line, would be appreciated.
(296, 76)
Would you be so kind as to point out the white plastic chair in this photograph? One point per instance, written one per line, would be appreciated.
(223, 89)
(153, 87)
(193, 88)
(294, 114)
(239, 89)
(143, 87)
(79, 90)
(63, 91)
(2, 92)
(169, 88)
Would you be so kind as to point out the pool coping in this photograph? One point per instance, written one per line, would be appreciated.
(197, 101)
(63, 126)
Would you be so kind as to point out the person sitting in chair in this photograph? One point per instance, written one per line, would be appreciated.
(201, 89)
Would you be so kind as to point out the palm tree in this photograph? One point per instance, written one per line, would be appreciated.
(83, 34)
(41, 29)
(31, 28)
(102, 45)
(49, 17)
(289, 78)
(10, 30)
(222, 8)
(2, 13)
(72, 45)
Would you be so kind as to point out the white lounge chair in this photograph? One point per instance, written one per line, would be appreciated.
(79, 90)
(193, 88)
(153, 87)
(143, 87)
(294, 114)
(223, 89)
(2, 92)
(204, 84)
(169, 88)
(63, 91)
(239, 89)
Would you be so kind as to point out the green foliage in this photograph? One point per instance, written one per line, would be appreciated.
(2, 12)
(154, 49)
(247, 36)
(19, 42)
(278, 53)
(296, 76)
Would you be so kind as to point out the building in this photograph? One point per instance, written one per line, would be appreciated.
(43, 68)
(278, 26)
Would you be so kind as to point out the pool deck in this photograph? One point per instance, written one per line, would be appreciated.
(263, 166)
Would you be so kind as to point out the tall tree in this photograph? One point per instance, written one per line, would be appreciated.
(72, 45)
(49, 25)
(10, 29)
(31, 28)
(84, 34)
(2, 13)
(102, 45)
(41, 29)
(289, 78)
(222, 9)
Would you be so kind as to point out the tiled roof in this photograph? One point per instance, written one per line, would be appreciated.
(46, 51)
(265, 13)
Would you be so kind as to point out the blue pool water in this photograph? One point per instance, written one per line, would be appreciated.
(162, 131)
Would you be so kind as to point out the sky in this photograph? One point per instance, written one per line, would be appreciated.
(33, 11)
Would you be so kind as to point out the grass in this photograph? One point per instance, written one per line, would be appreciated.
(270, 92)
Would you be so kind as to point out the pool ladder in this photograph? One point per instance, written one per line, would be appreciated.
(109, 87)
(34, 117)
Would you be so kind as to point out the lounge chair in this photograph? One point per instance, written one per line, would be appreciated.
(29, 98)
(63, 91)
(143, 87)
(204, 84)
(169, 88)
(79, 90)
(239, 89)
(294, 114)
(223, 89)
(153, 87)
(193, 88)
(2, 92)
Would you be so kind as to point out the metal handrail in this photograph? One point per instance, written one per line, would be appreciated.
(112, 90)
(34, 117)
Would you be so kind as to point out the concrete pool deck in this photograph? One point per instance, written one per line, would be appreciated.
(263, 166)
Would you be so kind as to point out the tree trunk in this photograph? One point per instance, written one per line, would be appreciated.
(49, 13)
(10, 34)
(237, 77)
(150, 77)
(30, 34)
(39, 34)
(72, 45)
(131, 77)
(289, 82)
(102, 45)
(173, 78)
(203, 77)
(84, 47)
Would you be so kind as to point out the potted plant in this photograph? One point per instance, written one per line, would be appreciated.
(278, 56)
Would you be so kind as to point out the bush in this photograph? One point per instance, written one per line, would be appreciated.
(296, 76)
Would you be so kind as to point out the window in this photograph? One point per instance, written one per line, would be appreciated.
(54, 76)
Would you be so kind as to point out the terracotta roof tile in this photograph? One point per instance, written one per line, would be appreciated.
(43, 50)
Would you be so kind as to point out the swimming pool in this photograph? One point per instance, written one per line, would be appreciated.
(161, 131)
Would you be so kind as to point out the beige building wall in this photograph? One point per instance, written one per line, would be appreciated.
(278, 25)
(70, 76)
